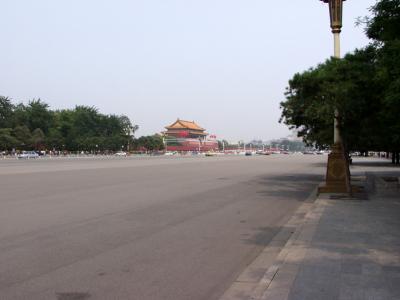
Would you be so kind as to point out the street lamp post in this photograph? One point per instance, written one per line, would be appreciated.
(165, 143)
(128, 146)
(336, 13)
(337, 174)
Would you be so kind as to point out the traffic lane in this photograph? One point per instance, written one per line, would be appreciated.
(58, 197)
(153, 251)
(195, 252)
(32, 166)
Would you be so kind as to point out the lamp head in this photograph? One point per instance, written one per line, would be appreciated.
(336, 13)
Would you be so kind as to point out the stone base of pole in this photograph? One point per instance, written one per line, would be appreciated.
(337, 173)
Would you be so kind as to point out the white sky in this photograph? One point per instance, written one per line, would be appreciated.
(223, 63)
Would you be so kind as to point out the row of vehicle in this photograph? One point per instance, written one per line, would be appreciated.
(34, 154)
(315, 152)
(213, 153)
(28, 154)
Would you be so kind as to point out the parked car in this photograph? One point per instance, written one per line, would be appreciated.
(120, 153)
(308, 152)
(28, 154)
(209, 153)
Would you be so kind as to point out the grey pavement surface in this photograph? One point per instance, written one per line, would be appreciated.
(343, 249)
(143, 228)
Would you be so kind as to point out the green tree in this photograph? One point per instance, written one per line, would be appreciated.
(34, 115)
(81, 128)
(55, 139)
(39, 115)
(364, 86)
(23, 135)
(306, 108)
(384, 25)
(126, 125)
(7, 140)
(6, 112)
(20, 116)
(38, 139)
(384, 29)
(351, 85)
(150, 143)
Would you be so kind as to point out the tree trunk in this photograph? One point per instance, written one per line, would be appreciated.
(393, 157)
(348, 157)
(397, 158)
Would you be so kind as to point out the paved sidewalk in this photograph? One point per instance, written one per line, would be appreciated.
(346, 249)
(341, 249)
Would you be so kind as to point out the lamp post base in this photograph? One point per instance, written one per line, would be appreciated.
(337, 173)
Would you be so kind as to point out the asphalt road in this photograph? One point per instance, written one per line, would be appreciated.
(142, 228)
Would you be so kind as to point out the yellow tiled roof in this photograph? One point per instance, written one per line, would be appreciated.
(182, 124)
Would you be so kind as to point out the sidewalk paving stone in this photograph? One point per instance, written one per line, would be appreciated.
(337, 249)
(350, 250)
(354, 253)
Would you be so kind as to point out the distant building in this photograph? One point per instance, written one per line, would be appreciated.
(188, 136)
(187, 129)
(294, 136)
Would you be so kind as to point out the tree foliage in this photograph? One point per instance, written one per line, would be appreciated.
(6, 111)
(35, 126)
(383, 26)
(149, 143)
(364, 86)
(7, 140)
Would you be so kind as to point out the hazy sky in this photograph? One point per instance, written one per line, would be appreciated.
(222, 63)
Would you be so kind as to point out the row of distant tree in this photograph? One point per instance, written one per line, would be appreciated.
(283, 144)
(35, 126)
(149, 143)
(288, 145)
(364, 86)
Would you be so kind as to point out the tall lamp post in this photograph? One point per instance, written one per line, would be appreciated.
(337, 173)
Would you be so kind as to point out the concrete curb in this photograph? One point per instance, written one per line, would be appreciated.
(289, 245)
(289, 260)
(323, 259)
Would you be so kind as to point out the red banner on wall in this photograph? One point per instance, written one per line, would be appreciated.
(184, 134)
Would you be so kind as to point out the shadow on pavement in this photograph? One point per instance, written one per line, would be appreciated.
(374, 164)
(319, 164)
(354, 252)
(290, 187)
(263, 236)
(296, 187)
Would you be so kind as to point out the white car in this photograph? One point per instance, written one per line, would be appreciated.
(120, 153)
(28, 154)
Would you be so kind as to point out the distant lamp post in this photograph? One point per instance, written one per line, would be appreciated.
(165, 143)
(337, 173)
(128, 144)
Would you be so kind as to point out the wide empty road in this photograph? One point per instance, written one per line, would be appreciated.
(142, 228)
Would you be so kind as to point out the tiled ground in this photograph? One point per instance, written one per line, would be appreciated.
(354, 254)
